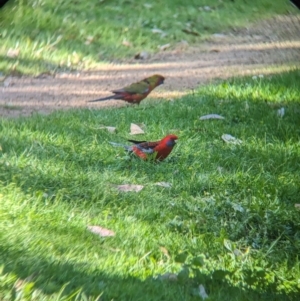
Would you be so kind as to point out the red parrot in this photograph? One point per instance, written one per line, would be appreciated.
(161, 148)
(136, 92)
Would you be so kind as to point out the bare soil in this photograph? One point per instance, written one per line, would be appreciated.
(268, 47)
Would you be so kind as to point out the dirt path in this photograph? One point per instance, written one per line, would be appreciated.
(271, 46)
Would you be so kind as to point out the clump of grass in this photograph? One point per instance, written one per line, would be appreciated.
(70, 34)
(233, 206)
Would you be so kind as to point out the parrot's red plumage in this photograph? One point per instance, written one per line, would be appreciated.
(142, 149)
(136, 92)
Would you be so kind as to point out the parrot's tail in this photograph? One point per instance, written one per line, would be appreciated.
(104, 98)
(128, 148)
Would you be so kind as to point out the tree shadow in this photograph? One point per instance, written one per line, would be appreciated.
(49, 277)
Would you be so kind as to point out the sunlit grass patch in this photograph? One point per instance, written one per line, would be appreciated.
(39, 36)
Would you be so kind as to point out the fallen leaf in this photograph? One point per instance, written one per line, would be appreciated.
(219, 35)
(126, 43)
(202, 292)
(111, 129)
(220, 169)
(188, 31)
(44, 75)
(147, 5)
(89, 40)
(163, 184)
(165, 252)
(12, 53)
(280, 112)
(75, 58)
(215, 50)
(164, 47)
(237, 207)
(103, 232)
(168, 276)
(230, 139)
(237, 253)
(129, 187)
(227, 244)
(19, 284)
(157, 30)
(184, 43)
(143, 55)
(7, 82)
(297, 206)
(211, 116)
(135, 129)
(207, 8)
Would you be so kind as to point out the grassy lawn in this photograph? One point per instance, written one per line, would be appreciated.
(46, 35)
(230, 214)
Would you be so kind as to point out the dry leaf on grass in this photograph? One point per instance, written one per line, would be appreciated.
(182, 44)
(157, 30)
(165, 252)
(211, 116)
(19, 284)
(111, 129)
(219, 35)
(164, 47)
(297, 206)
(163, 184)
(280, 112)
(237, 207)
(13, 53)
(207, 8)
(102, 232)
(237, 253)
(202, 292)
(215, 50)
(220, 169)
(168, 276)
(126, 43)
(129, 187)
(135, 129)
(89, 40)
(143, 55)
(7, 82)
(188, 31)
(230, 139)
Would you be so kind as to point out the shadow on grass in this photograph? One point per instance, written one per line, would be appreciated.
(49, 277)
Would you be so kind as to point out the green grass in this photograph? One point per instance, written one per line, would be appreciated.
(57, 35)
(231, 205)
